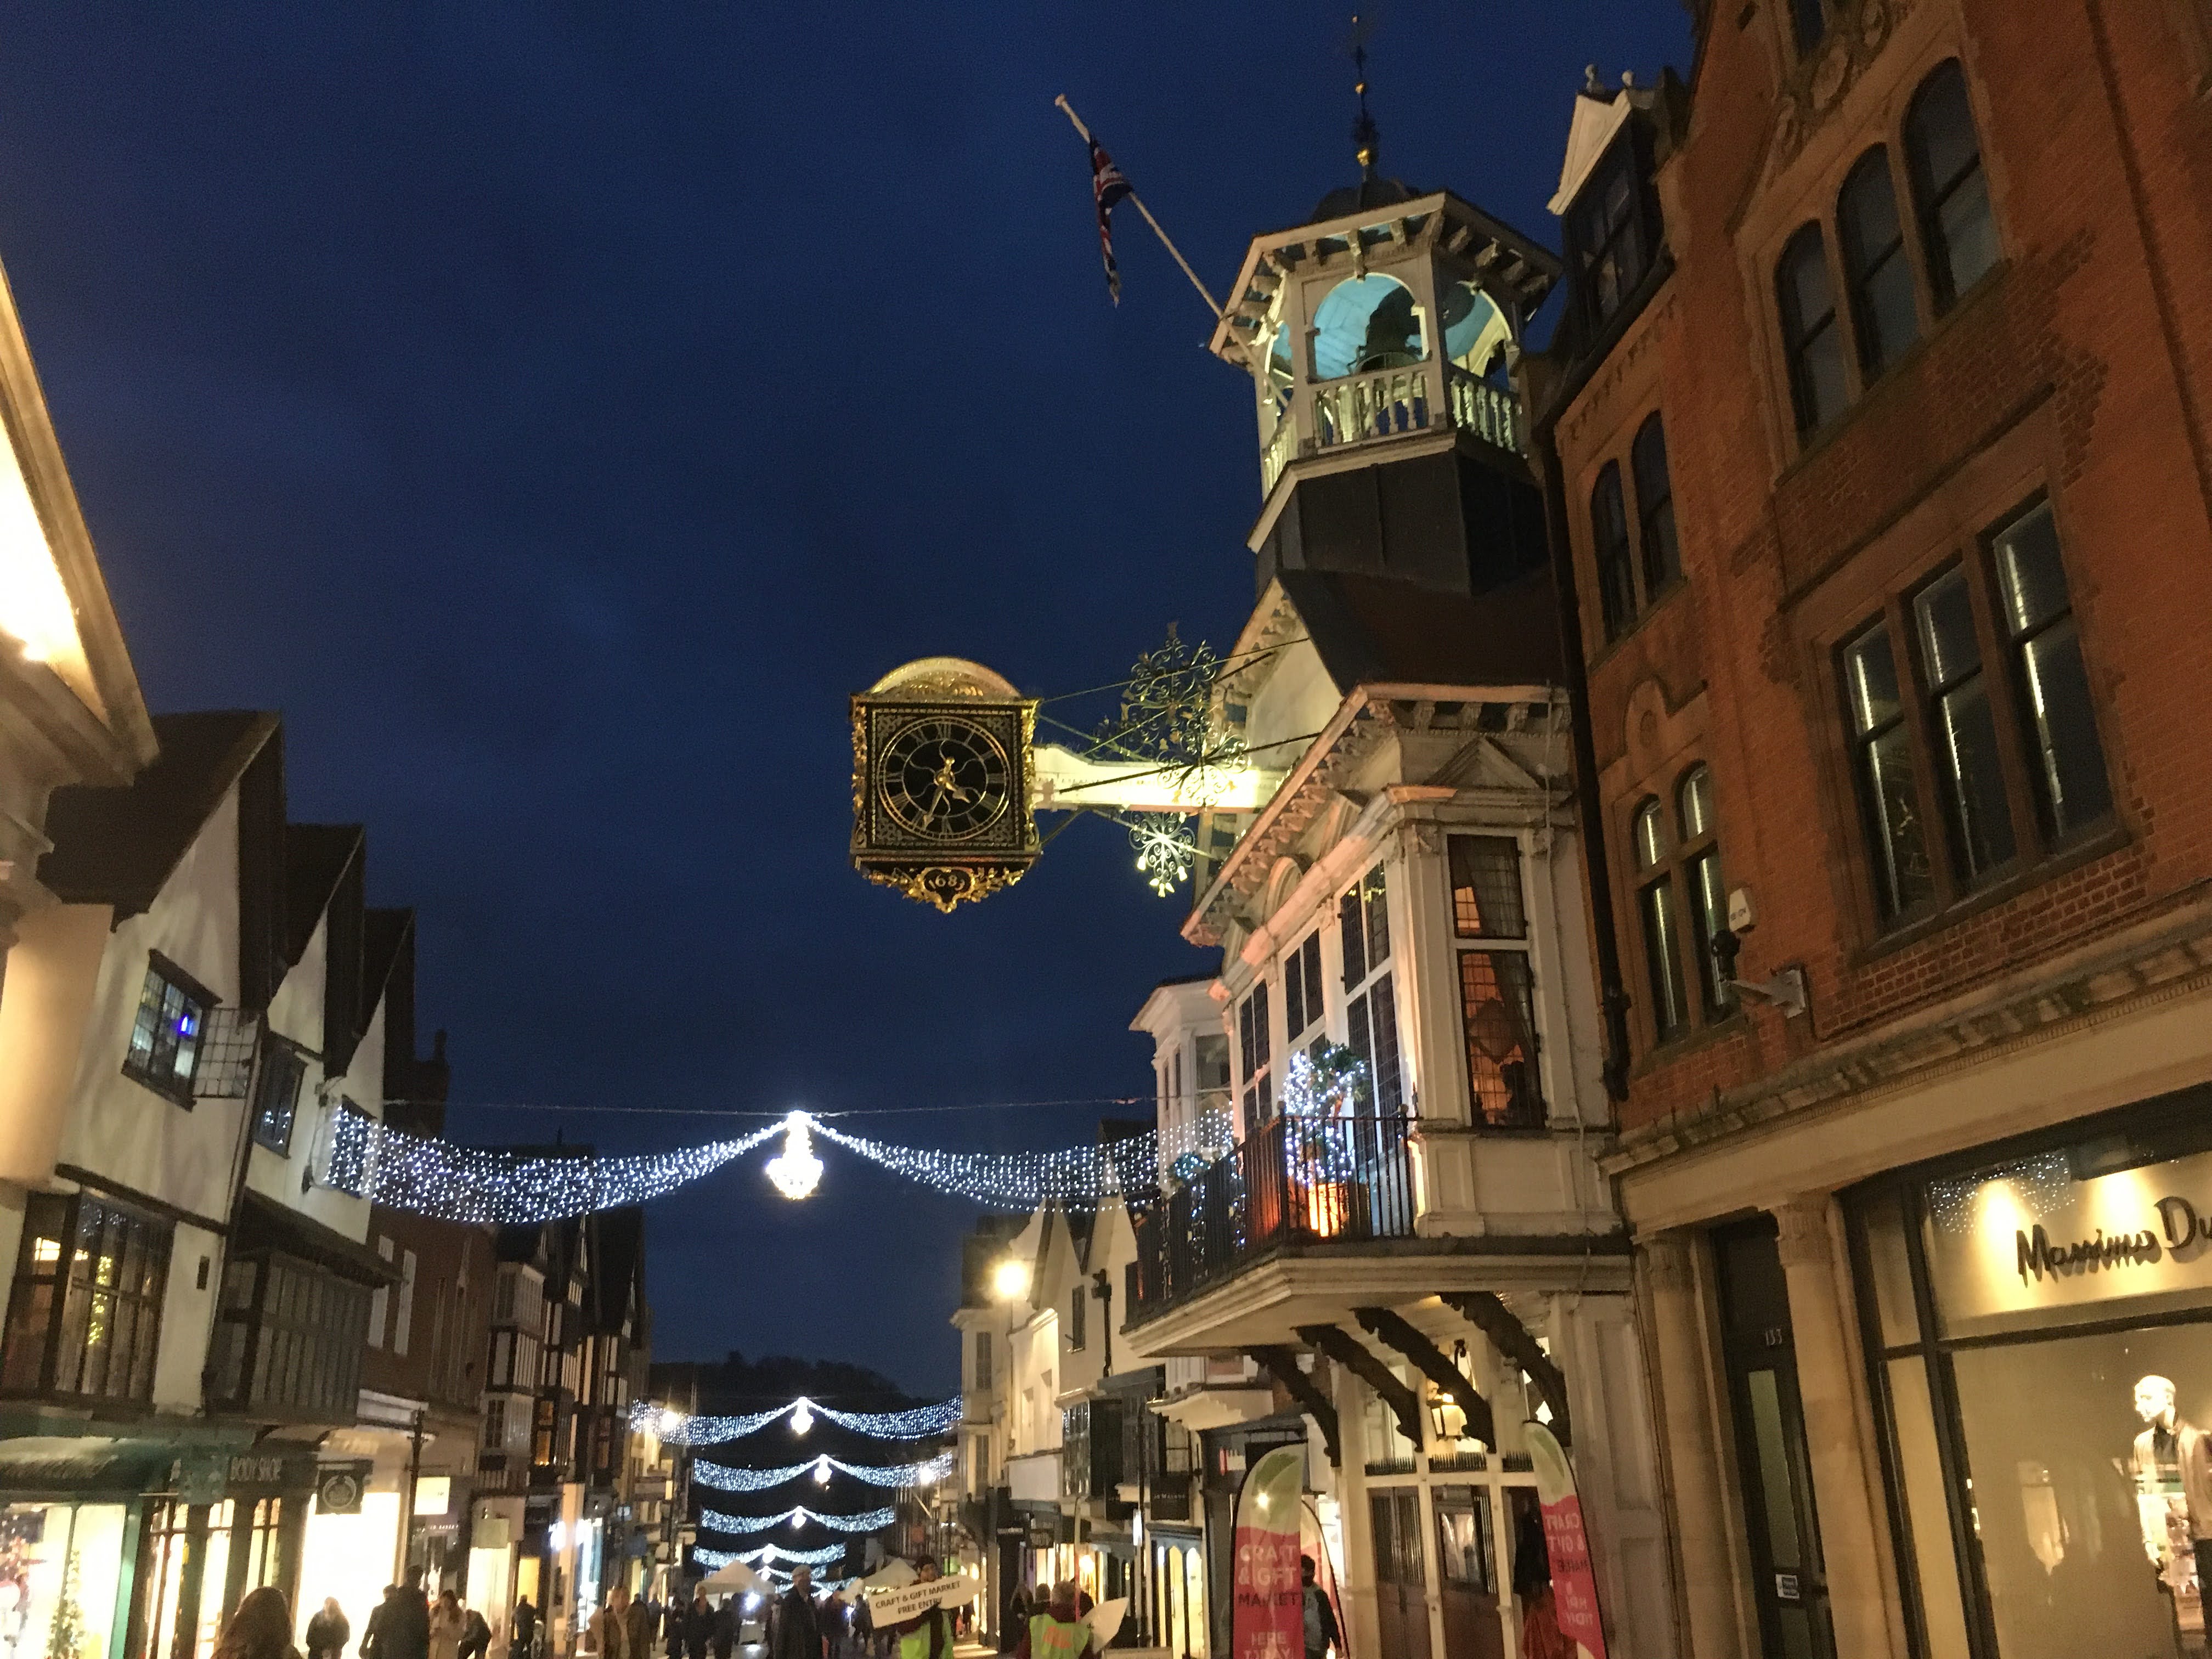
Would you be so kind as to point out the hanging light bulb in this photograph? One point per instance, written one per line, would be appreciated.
(801, 1419)
(795, 1171)
(822, 1471)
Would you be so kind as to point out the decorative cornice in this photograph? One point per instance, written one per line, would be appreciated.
(1669, 1261)
(1804, 1239)
(2172, 962)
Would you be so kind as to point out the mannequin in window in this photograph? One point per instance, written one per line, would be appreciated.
(2173, 1460)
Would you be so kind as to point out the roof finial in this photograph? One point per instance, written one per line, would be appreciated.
(1365, 139)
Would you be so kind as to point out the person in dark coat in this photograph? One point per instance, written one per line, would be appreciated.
(402, 1625)
(328, 1632)
(795, 1633)
(725, 1635)
(261, 1629)
(1016, 1623)
(476, 1635)
(522, 1629)
(697, 1623)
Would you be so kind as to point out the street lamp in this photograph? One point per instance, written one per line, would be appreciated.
(1010, 1279)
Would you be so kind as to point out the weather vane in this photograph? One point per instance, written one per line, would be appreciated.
(1365, 137)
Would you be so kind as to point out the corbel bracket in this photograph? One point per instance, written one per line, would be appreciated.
(1485, 1311)
(1281, 1362)
(1349, 1352)
(1391, 1328)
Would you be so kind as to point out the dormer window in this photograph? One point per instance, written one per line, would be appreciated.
(1609, 240)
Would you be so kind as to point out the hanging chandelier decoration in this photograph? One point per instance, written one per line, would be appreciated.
(795, 1171)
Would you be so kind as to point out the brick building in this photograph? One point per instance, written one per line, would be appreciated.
(1876, 451)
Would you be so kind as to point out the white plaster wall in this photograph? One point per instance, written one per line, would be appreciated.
(1297, 699)
(187, 1319)
(118, 1127)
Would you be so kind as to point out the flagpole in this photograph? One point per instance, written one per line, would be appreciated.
(1138, 203)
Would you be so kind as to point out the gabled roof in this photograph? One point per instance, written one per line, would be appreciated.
(119, 845)
(1372, 629)
(316, 856)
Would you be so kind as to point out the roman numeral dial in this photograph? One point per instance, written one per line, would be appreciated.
(945, 779)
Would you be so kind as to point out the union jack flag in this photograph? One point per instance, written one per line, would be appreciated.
(1107, 187)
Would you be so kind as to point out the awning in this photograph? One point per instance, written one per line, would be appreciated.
(265, 1225)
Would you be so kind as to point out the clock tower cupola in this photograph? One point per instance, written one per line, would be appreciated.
(1378, 335)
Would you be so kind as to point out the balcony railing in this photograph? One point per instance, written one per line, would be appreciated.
(1299, 1181)
(1491, 413)
(1388, 403)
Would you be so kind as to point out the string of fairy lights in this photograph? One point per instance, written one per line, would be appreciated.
(434, 1177)
(768, 1555)
(797, 1515)
(898, 1475)
(681, 1429)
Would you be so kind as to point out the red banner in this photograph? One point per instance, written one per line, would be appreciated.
(1574, 1584)
(1267, 1604)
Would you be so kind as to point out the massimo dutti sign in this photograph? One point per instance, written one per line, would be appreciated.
(2031, 1238)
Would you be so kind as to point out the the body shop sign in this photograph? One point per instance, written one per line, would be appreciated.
(1574, 1584)
(1267, 1604)
(2031, 1238)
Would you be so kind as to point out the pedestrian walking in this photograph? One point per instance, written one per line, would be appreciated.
(261, 1628)
(401, 1624)
(1321, 1633)
(697, 1625)
(522, 1629)
(640, 1629)
(725, 1635)
(795, 1631)
(1058, 1631)
(1016, 1623)
(476, 1635)
(328, 1632)
(928, 1634)
(446, 1626)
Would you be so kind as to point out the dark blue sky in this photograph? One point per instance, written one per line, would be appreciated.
(557, 412)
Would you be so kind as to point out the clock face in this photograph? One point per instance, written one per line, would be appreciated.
(945, 778)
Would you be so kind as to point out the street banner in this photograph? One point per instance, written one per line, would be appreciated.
(1267, 1605)
(1574, 1584)
(901, 1602)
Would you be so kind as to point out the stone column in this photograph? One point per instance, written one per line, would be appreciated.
(1843, 1486)
(1700, 1519)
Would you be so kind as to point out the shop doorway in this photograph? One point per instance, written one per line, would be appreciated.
(1467, 1566)
(1761, 1358)
(1401, 1580)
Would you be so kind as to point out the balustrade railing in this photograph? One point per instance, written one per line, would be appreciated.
(1378, 405)
(1299, 1179)
(1282, 444)
(1490, 412)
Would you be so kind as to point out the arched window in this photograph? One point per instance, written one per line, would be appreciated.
(1950, 192)
(1809, 338)
(1616, 577)
(1663, 943)
(1366, 323)
(1874, 265)
(1701, 876)
(1654, 508)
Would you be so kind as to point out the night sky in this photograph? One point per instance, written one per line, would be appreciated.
(558, 411)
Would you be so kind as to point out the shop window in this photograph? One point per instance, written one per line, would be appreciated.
(1616, 568)
(1496, 991)
(1253, 1040)
(1811, 343)
(2067, 1518)
(1372, 1005)
(84, 1314)
(165, 1039)
(277, 1095)
(1997, 718)
(541, 1434)
(984, 1352)
(1608, 230)
(61, 1553)
(1465, 1552)
(1871, 234)
(1302, 1001)
(1655, 508)
(1950, 190)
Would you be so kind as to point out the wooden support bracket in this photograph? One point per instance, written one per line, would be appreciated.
(1349, 1352)
(1432, 1365)
(1485, 1311)
(1282, 1364)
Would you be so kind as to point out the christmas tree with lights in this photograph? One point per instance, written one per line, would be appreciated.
(66, 1636)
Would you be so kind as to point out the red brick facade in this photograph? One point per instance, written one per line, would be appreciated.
(2079, 369)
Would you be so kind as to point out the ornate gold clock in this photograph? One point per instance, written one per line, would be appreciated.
(942, 781)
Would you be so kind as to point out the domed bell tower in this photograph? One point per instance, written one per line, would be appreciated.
(1378, 335)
